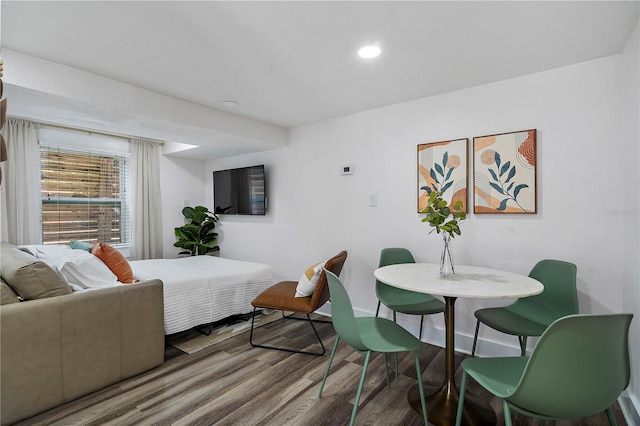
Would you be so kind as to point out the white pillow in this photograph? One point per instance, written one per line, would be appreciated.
(83, 270)
(309, 279)
(46, 251)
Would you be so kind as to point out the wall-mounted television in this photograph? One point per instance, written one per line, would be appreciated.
(240, 191)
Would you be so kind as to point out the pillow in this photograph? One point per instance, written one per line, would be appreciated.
(31, 278)
(309, 279)
(81, 245)
(45, 251)
(83, 270)
(115, 261)
(6, 294)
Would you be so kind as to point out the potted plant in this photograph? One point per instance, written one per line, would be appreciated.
(197, 236)
(444, 219)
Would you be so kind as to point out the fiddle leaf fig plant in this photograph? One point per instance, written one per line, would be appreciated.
(441, 216)
(197, 235)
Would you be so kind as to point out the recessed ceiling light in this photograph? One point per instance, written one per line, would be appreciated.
(369, 52)
(229, 104)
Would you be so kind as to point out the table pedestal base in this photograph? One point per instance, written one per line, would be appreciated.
(443, 405)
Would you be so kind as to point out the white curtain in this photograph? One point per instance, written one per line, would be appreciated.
(146, 200)
(20, 194)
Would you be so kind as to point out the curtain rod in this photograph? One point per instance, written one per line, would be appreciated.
(89, 131)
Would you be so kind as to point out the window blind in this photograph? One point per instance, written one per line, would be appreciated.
(85, 196)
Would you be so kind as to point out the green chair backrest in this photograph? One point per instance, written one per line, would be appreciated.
(391, 256)
(578, 368)
(560, 295)
(342, 316)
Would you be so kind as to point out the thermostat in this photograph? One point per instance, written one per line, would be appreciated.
(347, 169)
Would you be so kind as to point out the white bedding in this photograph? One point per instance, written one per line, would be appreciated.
(203, 289)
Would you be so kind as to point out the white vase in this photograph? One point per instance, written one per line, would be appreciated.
(446, 261)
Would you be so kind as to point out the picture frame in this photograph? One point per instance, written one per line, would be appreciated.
(504, 173)
(443, 166)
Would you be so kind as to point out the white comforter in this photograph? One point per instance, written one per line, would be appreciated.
(202, 289)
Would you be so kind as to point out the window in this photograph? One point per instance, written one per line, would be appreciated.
(85, 196)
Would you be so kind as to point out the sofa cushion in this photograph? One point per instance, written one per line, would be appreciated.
(29, 277)
(115, 261)
(6, 294)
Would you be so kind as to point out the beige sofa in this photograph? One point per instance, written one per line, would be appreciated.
(56, 348)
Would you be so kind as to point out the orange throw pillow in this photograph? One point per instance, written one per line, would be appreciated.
(115, 261)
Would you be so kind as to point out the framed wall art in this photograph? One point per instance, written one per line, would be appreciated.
(442, 166)
(504, 173)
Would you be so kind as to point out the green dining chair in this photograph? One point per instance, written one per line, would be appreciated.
(530, 316)
(367, 335)
(404, 301)
(577, 369)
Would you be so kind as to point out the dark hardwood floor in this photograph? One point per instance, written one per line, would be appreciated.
(232, 383)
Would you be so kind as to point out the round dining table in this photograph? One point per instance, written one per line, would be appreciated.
(469, 282)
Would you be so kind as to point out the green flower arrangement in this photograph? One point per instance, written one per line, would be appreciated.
(442, 217)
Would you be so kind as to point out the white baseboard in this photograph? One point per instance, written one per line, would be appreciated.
(630, 407)
(629, 404)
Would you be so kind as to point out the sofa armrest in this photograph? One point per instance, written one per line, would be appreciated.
(60, 348)
(142, 327)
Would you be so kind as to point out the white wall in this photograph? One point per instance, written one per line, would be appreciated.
(314, 212)
(182, 182)
(631, 208)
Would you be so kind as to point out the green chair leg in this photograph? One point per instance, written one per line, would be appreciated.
(421, 387)
(360, 385)
(507, 413)
(463, 389)
(396, 353)
(326, 373)
(611, 417)
(386, 369)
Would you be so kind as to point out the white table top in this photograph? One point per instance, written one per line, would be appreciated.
(469, 281)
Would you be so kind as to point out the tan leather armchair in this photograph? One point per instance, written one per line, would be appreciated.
(281, 297)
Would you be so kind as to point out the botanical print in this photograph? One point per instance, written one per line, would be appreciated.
(442, 167)
(505, 173)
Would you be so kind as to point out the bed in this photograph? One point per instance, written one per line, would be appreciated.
(202, 289)
(198, 290)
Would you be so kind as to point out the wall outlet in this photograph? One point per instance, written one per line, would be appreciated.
(373, 200)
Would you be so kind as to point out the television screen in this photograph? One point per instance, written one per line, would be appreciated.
(239, 191)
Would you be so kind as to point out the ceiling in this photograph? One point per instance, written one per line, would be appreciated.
(292, 63)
